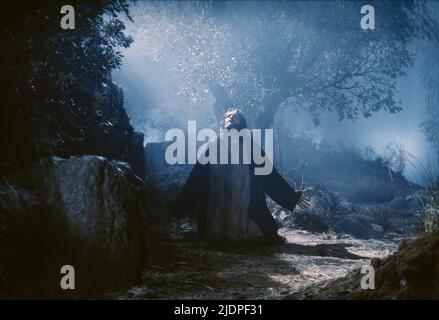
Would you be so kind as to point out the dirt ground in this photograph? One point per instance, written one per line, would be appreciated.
(185, 268)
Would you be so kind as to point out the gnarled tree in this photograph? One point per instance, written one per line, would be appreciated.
(309, 55)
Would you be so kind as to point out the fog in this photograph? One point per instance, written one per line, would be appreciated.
(157, 95)
(402, 128)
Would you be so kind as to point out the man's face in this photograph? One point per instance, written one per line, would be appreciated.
(232, 119)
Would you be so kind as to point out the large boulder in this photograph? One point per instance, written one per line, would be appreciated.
(96, 213)
(330, 211)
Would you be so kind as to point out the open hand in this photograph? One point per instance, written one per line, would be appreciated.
(304, 202)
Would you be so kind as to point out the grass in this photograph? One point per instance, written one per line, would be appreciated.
(430, 212)
(430, 215)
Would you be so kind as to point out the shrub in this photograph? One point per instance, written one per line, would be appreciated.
(430, 215)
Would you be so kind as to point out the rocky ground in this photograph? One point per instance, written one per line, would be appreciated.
(412, 272)
(99, 216)
(326, 245)
(184, 268)
(88, 212)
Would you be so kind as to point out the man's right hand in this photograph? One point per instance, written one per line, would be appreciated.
(304, 202)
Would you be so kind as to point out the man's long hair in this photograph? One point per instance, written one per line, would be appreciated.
(242, 122)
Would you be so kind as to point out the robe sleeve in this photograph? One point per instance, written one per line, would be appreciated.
(195, 189)
(279, 190)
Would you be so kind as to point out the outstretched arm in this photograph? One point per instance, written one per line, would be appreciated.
(281, 192)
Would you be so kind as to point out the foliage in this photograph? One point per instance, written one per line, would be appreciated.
(430, 217)
(45, 67)
(430, 199)
(311, 55)
(430, 212)
(395, 158)
(430, 81)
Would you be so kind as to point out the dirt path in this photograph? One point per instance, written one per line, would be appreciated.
(188, 269)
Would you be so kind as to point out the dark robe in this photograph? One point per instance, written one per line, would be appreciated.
(195, 195)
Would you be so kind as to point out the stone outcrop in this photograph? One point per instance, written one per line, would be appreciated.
(92, 215)
(110, 133)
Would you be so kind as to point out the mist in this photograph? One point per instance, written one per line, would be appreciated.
(402, 128)
(341, 95)
(157, 96)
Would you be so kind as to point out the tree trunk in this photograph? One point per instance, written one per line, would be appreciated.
(270, 105)
(222, 102)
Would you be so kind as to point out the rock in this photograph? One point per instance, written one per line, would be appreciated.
(377, 228)
(329, 210)
(165, 181)
(410, 273)
(110, 133)
(97, 220)
(354, 225)
(310, 222)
